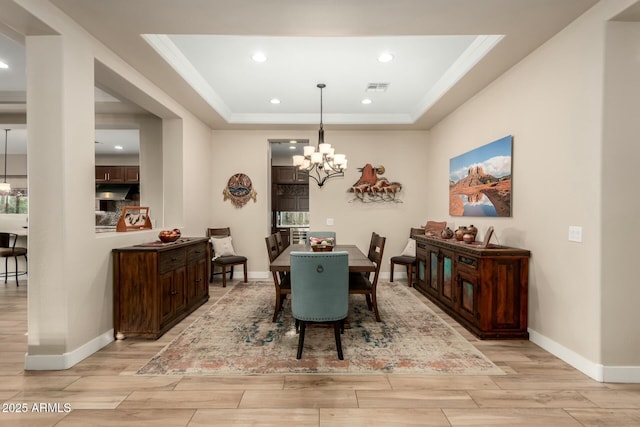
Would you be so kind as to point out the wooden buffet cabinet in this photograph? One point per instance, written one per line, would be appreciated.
(484, 289)
(156, 285)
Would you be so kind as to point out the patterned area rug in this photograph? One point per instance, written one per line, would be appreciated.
(236, 336)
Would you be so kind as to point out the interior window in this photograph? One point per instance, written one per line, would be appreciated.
(14, 170)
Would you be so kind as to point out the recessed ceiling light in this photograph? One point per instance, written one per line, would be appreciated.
(366, 101)
(293, 141)
(385, 57)
(275, 101)
(118, 147)
(3, 65)
(259, 57)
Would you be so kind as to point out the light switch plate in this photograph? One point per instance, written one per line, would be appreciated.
(575, 233)
(329, 221)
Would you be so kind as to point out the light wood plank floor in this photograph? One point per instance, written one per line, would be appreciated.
(539, 389)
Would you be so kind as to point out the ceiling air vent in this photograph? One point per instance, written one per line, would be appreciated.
(377, 87)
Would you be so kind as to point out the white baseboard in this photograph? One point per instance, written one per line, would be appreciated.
(35, 362)
(599, 372)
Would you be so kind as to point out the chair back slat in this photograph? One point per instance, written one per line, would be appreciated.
(279, 241)
(272, 247)
(219, 232)
(376, 251)
(5, 240)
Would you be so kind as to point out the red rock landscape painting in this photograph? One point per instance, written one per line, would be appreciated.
(480, 180)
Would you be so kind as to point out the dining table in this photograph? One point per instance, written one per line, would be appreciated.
(358, 261)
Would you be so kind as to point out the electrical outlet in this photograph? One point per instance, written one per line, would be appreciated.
(575, 233)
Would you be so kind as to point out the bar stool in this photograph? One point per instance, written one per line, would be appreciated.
(8, 250)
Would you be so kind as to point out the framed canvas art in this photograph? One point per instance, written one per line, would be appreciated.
(134, 218)
(480, 180)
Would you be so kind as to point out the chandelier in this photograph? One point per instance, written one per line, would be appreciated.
(323, 163)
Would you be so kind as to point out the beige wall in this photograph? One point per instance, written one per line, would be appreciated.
(551, 102)
(70, 301)
(403, 154)
(197, 182)
(620, 207)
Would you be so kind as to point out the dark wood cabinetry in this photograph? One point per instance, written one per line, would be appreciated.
(288, 175)
(290, 197)
(132, 174)
(484, 289)
(117, 174)
(290, 189)
(157, 285)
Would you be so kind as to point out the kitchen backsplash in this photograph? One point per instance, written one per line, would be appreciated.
(110, 217)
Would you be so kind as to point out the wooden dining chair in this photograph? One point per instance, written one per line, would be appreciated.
(225, 257)
(320, 292)
(281, 280)
(407, 259)
(8, 249)
(364, 283)
(280, 241)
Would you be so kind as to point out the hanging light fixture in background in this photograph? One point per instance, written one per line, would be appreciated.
(5, 187)
(323, 163)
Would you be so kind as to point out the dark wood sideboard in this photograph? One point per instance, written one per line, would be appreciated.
(156, 285)
(484, 289)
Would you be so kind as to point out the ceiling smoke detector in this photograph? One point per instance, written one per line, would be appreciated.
(377, 87)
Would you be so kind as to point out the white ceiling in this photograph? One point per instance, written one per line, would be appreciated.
(198, 51)
(220, 68)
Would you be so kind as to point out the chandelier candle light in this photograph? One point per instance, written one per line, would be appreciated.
(323, 163)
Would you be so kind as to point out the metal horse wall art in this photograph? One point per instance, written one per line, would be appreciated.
(373, 188)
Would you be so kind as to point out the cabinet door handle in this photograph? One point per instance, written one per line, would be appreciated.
(174, 259)
(108, 176)
(174, 292)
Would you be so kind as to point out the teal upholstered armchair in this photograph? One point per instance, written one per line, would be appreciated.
(320, 291)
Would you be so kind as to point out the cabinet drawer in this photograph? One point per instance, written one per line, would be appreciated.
(171, 260)
(196, 252)
(466, 262)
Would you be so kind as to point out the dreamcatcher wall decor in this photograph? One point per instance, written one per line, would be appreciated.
(373, 188)
(239, 190)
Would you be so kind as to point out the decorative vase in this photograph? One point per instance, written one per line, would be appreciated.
(472, 230)
(460, 232)
(468, 237)
(447, 233)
